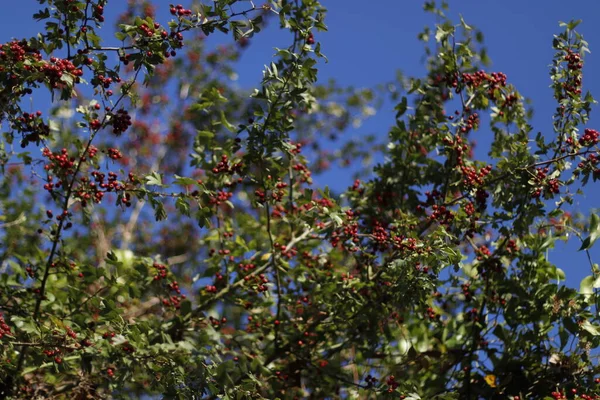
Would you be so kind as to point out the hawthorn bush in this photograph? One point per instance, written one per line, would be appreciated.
(162, 234)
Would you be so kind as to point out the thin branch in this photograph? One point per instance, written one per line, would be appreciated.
(61, 223)
(223, 292)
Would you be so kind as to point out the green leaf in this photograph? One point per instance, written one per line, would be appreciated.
(443, 31)
(401, 107)
(594, 233)
(111, 256)
(184, 181)
(159, 212)
(589, 327)
(586, 287)
(154, 179)
(182, 205)
(226, 123)
(205, 134)
(121, 35)
(464, 24)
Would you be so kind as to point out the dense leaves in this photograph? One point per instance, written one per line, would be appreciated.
(171, 237)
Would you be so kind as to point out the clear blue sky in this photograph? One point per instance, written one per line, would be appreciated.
(368, 41)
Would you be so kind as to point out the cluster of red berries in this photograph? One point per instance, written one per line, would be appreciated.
(356, 187)
(95, 189)
(125, 59)
(287, 253)
(221, 197)
(98, 13)
(223, 166)
(337, 236)
(481, 197)
(120, 121)
(104, 81)
(431, 197)
(347, 277)
(573, 84)
(508, 102)
(466, 291)
(279, 210)
(392, 383)
(305, 174)
(573, 61)
(260, 282)
(4, 328)
(174, 286)
(180, 11)
(458, 146)
(371, 380)
(161, 271)
(149, 32)
(60, 163)
(127, 348)
(296, 148)
(16, 51)
(32, 126)
(174, 300)
(589, 138)
(561, 395)
(108, 335)
(431, 314)
(441, 214)
(110, 372)
(469, 208)
(278, 193)
(211, 289)
(472, 122)
(407, 245)
(179, 38)
(472, 315)
(71, 333)
(54, 353)
(483, 252)
(380, 235)
(114, 154)
(511, 246)
(110, 184)
(591, 164)
(126, 199)
(552, 186)
(56, 68)
(494, 80)
(280, 376)
(349, 231)
(246, 267)
(419, 268)
(472, 177)
(60, 217)
(216, 323)
(95, 124)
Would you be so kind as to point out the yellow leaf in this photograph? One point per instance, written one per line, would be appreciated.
(265, 257)
(490, 380)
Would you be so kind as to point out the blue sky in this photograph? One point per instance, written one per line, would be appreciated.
(368, 41)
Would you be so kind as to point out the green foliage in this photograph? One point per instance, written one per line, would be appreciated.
(170, 240)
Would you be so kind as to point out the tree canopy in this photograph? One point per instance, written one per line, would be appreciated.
(165, 232)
